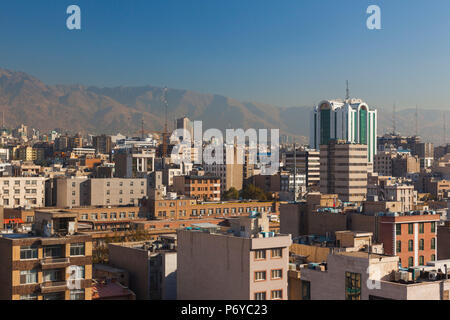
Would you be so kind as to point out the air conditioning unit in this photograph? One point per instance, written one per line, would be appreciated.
(432, 276)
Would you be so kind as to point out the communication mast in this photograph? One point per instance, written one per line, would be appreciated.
(165, 132)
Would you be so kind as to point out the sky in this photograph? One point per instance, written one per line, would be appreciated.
(280, 52)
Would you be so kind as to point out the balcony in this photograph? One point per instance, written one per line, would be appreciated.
(53, 286)
(51, 263)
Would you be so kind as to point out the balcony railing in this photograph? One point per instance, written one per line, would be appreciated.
(55, 262)
(53, 286)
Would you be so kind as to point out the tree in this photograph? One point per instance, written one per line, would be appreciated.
(254, 193)
(231, 194)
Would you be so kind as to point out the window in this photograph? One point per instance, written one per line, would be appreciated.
(103, 216)
(94, 216)
(398, 229)
(421, 260)
(399, 246)
(410, 228)
(53, 275)
(433, 227)
(410, 245)
(277, 253)
(77, 249)
(113, 215)
(260, 254)
(421, 227)
(84, 217)
(352, 286)
(52, 251)
(277, 294)
(276, 274)
(421, 244)
(410, 261)
(123, 215)
(433, 243)
(260, 296)
(28, 252)
(77, 294)
(433, 257)
(28, 276)
(306, 290)
(260, 275)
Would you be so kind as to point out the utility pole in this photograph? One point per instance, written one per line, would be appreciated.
(393, 120)
(295, 172)
(417, 123)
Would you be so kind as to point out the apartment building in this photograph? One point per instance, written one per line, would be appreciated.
(75, 192)
(22, 192)
(410, 236)
(404, 164)
(246, 263)
(363, 276)
(343, 170)
(152, 268)
(102, 144)
(198, 187)
(307, 163)
(134, 162)
(382, 163)
(53, 264)
(396, 192)
(191, 209)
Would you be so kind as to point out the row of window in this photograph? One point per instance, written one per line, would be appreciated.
(53, 275)
(274, 295)
(411, 245)
(17, 182)
(195, 212)
(74, 295)
(31, 252)
(398, 228)
(421, 260)
(275, 274)
(112, 215)
(274, 253)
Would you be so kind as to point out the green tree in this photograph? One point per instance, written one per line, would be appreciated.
(252, 192)
(231, 194)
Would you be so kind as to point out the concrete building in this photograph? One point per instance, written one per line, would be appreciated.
(363, 276)
(102, 144)
(307, 163)
(152, 269)
(411, 236)
(75, 192)
(343, 170)
(246, 263)
(22, 192)
(404, 164)
(205, 188)
(134, 162)
(350, 120)
(53, 264)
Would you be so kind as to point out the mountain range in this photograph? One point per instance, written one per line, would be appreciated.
(88, 109)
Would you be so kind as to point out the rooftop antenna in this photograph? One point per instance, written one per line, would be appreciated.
(295, 172)
(347, 93)
(445, 129)
(393, 120)
(417, 123)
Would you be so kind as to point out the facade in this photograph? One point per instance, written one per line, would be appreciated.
(152, 272)
(351, 121)
(307, 163)
(192, 209)
(75, 192)
(412, 237)
(134, 162)
(382, 163)
(22, 192)
(343, 170)
(198, 187)
(56, 264)
(360, 276)
(238, 265)
(102, 144)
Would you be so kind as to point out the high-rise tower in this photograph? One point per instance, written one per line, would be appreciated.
(350, 120)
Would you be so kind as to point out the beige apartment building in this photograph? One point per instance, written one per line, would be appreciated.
(54, 264)
(75, 192)
(360, 276)
(22, 192)
(343, 170)
(245, 263)
(307, 163)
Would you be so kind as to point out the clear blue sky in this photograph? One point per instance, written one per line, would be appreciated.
(284, 52)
